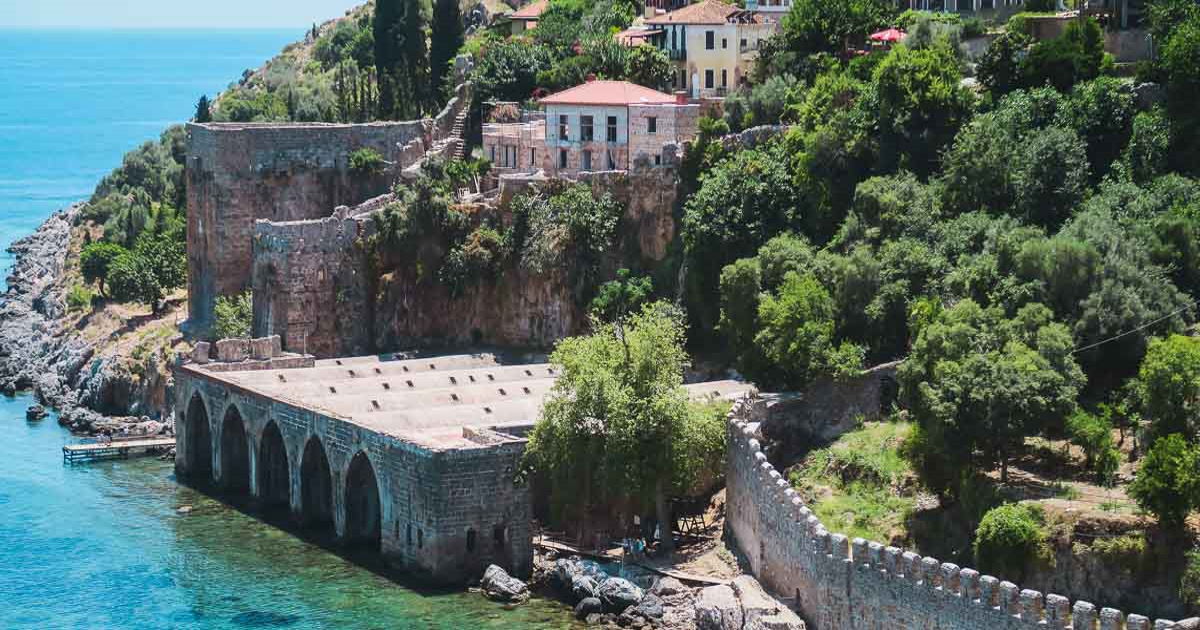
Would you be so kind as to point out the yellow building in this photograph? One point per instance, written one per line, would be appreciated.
(714, 45)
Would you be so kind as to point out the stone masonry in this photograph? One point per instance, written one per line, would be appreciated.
(237, 173)
(842, 584)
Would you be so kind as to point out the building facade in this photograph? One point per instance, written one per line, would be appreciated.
(714, 45)
(597, 126)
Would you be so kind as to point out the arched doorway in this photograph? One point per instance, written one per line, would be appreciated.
(362, 504)
(199, 441)
(316, 487)
(274, 482)
(235, 453)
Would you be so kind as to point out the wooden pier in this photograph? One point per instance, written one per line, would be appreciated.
(95, 449)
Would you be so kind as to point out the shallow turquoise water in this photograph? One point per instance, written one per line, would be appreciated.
(102, 546)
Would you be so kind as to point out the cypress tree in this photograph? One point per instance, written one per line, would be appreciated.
(203, 110)
(413, 65)
(386, 25)
(446, 40)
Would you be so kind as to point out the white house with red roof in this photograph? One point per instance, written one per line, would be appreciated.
(714, 44)
(596, 126)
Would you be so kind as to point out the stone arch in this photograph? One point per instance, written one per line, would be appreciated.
(316, 487)
(235, 453)
(198, 453)
(363, 513)
(274, 476)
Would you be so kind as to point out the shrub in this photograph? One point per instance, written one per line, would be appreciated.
(233, 315)
(1189, 582)
(96, 259)
(1093, 434)
(367, 160)
(1167, 483)
(79, 298)
(1009, 538)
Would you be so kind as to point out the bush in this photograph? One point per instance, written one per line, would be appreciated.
(79, 298)
(1093, 434)
(1168, 482)
(1009, 539)
(96, 259)
(1189, 582)
(368, 161)
(233, 315)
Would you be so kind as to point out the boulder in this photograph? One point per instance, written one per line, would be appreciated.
(651, 607)
(667, 586)
(717, 608)
(499, 586)
(588, 606)
(760, 611)
(35, 412)
(584, 587)
(200, 353)
(1192, 623)
(619, 594)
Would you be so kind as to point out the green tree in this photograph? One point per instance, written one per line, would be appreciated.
(796, 336)
(999, 68)
(233, 315)
(203, 110)
(616, 424)
(1093, 434)
(621, 296)
(1168, 385)
(816, 26)
(446, 39)
(1009, 538)
(921, 104)
(1146, 155)
(96, 259)
(1101, 111)
(649, 66)
(1076, 55)
(507, 70)
(1180, 61)
(978, 383)
(1164, 16)
(1167, 484)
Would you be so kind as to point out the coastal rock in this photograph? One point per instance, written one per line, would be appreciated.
(619, 594)
(717, 608)
(499, 586)
(35, 412)
(584, 587)
(667, 586)
(650, 608)
(588, 606)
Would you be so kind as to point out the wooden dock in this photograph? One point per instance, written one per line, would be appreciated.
(95, 449)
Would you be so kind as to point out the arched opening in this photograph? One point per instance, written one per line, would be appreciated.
(362, 504)
(274, 482)
(235, 453)
(316, 487)
(199, 441)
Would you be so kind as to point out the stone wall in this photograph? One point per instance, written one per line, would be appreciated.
(238, 173)
(312, 285)
(842, 584)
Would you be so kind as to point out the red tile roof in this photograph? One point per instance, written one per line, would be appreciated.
(530, 11)
(609, 93)
(703, 12)
(635, 36)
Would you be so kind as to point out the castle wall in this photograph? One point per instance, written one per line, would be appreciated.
(842, 584)
(237, 173)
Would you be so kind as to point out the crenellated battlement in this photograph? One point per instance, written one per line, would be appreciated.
(843, 584)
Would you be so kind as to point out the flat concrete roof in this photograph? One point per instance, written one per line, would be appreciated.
(428, 401)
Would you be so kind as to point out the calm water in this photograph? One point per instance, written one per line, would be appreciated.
(103, 546)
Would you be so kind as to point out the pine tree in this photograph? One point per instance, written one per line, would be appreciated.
(203, 111)
(446, 40)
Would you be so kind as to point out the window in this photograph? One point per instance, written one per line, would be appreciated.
(585, 128)
(724, 78)
(470, 540)
(532, 157)
(658, 160)
(724, 43)
(612, 128)
(562, 158)
(492, 152)
(612, 164)
(673, 46)
(420, 538)
(652, 124)
(563, 128)
(409, 533)
(587, 160)
(498, 536)
(710, 40)
(743, 43)
(708, 79)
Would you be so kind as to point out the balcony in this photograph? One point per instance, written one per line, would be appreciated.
(678, 54)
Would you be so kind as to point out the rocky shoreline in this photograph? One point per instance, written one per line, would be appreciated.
(38, 351)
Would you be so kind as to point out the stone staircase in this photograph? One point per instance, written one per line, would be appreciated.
(456, 139)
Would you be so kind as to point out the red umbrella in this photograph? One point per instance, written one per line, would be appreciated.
(890, 35)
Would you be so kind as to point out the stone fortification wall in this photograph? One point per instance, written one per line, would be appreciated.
(842, 584)
(238, 173)
(311, 284)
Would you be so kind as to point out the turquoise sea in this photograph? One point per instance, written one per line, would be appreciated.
(103, 545)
